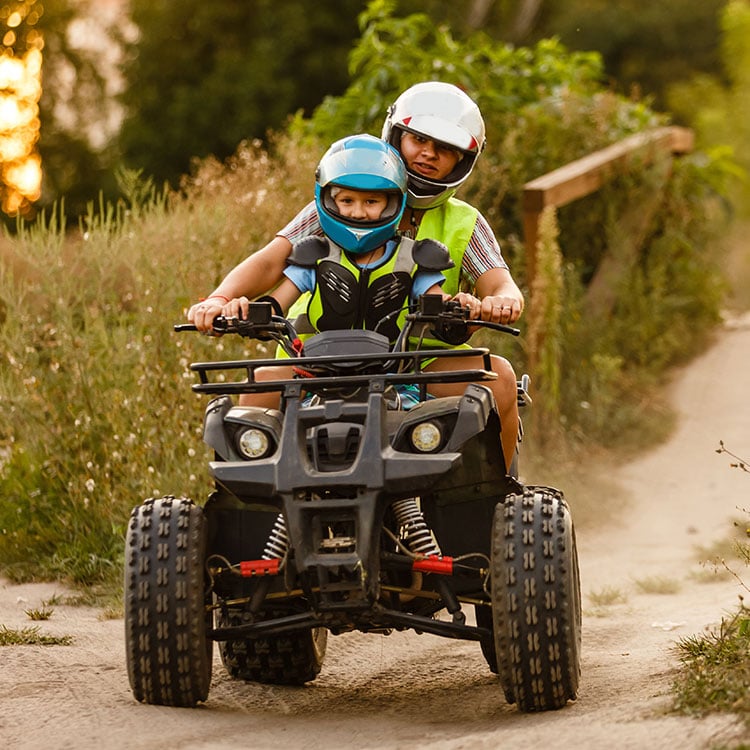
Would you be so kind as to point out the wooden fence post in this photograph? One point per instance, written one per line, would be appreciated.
(581, 178)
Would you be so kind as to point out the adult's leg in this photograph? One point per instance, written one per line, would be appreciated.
(504, 389)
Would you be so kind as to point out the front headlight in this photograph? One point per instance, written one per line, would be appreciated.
(253, 443)
(426, 437)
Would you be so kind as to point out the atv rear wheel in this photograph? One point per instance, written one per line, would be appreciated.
(168, 651)
(288, 659)
(536, 600)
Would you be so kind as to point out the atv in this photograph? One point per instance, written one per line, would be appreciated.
(348, 509)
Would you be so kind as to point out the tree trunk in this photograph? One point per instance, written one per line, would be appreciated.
(523, 25)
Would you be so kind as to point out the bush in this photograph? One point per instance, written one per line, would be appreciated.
(715, 671)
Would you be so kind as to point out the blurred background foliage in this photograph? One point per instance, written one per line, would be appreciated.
(147, 89)
(200, 142)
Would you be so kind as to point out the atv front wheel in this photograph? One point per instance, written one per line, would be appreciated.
(167, 620)
(536, 600)
(288, 659)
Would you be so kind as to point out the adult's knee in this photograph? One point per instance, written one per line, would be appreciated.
(506, 375)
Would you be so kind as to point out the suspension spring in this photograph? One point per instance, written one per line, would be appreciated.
(416, 533)
(278, 540)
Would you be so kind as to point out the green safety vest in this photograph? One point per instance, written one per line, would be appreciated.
(451, 223)
(349, 296)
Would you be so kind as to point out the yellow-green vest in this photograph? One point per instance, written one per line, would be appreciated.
(452, 223)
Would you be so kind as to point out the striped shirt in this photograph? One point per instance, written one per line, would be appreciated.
(482, 253)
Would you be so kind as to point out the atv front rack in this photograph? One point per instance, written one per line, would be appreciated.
(408, 366)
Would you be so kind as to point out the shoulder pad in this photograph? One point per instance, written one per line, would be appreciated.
(308, 251)
(431, 255)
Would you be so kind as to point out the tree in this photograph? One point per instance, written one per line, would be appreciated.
(202, 77)
(645, 45)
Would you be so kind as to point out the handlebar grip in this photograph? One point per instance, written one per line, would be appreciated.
(219, 325)
(500, 327)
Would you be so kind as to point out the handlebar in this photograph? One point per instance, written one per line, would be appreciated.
(260, 324)
(450, 320)
(446, 319)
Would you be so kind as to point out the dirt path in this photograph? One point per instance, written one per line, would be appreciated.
(409, 691)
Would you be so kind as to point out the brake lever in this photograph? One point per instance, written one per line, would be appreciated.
(496, 326)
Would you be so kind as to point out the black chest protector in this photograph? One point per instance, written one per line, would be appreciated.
(347, 296)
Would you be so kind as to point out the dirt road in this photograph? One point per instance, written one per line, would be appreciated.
(410, 691)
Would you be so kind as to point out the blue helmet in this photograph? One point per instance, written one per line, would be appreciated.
(360, 162)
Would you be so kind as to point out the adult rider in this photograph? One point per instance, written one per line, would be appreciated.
(439, 132)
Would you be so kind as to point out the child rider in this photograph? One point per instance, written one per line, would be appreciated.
(360, 274)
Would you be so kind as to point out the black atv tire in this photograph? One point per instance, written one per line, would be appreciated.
(168, 650)
(288, 659)
(536, 600)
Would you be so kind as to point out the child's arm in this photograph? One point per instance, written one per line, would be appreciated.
(286, 294)
(437, 289)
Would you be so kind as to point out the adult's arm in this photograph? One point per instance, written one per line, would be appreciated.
(255, 275)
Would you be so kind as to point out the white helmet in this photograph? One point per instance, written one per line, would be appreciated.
(441, 112)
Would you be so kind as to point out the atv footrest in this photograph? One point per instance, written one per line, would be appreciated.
(302, 621)
(393, 618)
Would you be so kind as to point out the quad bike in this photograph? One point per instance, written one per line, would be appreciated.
(345, 511)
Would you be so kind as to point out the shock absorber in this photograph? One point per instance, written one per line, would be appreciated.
(278, 540)
(419, 539)
(417, 534)
(276, 548)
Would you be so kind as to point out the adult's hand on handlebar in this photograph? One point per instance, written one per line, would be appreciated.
(500, 309)
(496, 309)
(203, 313)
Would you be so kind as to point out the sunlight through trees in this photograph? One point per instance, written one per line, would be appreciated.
(20, 91)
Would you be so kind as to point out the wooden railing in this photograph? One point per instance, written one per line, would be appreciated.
(576, 180)
(586, 175)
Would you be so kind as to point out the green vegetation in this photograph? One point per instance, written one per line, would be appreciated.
(95, 391)
(44, 613)
(245, 65)
(31, 637)
(716, 670)
(97, 408)
(710, 102)
(715, 673)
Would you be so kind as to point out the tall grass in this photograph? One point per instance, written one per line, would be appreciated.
(98, 412)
